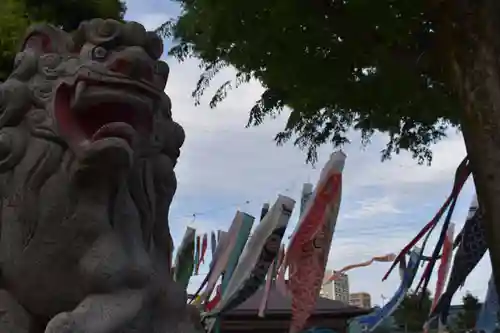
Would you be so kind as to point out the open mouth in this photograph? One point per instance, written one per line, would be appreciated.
(89, 111)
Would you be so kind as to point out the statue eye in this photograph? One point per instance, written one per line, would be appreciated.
(99, 53)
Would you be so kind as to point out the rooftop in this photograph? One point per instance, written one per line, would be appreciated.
(278, 304)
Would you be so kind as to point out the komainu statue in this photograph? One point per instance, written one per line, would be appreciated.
(88, 148)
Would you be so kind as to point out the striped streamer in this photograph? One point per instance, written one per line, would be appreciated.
(226, 245)
(262, 248)
(370, 322)
(213, 243)
(184, 262)
(241, 241)
(488, 316)
(197, 255)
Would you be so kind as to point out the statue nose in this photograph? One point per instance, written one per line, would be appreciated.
(135, 69)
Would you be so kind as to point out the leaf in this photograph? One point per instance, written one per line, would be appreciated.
(17, 15)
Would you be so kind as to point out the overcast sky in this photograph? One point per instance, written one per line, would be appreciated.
(224, 167)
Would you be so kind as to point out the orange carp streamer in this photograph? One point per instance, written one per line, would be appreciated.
(337, 274)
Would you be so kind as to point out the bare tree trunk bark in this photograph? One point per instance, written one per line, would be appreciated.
(476, 70)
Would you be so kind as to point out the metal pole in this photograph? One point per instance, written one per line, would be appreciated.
(383, 299)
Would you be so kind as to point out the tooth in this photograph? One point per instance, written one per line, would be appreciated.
(80, 87)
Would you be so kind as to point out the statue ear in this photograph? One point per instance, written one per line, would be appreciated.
(38, 42)
(45, 38)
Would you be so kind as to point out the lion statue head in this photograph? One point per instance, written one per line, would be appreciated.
(87, 154)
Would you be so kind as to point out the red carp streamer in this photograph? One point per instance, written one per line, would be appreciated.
(267, 289)
(337, 274)
(281, 285)
(197, 254)
(310, 244)
(204, 245)
(444, 269)
(214, 301)
(281, 256)
(461, 175)
(306, 278)
(314, 215)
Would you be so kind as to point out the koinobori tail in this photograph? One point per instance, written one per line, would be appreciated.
(442, 309)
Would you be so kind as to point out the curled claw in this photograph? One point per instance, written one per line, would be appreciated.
(100, 313)
(63, 323)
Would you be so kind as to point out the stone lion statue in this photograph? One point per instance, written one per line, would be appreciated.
(88, 148)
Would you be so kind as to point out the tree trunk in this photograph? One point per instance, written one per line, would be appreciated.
(476, 68)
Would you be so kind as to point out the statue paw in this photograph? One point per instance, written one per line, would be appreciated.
(63, 323)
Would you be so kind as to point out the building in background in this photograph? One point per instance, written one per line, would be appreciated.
(361, 300)
(341, 288)
(327, 289)
(338, 289)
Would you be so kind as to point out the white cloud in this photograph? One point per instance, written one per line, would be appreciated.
(230, 115)
(153, 20)
(447, 155)
(151, 13)
(373, 207)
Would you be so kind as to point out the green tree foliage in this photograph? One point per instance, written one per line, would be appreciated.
(413, 312)
(17, 15)
(468, 315)
(337, 64)
(385, 327)
(69, 13)
(13, 23)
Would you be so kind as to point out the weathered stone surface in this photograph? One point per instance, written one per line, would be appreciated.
(87, 154)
